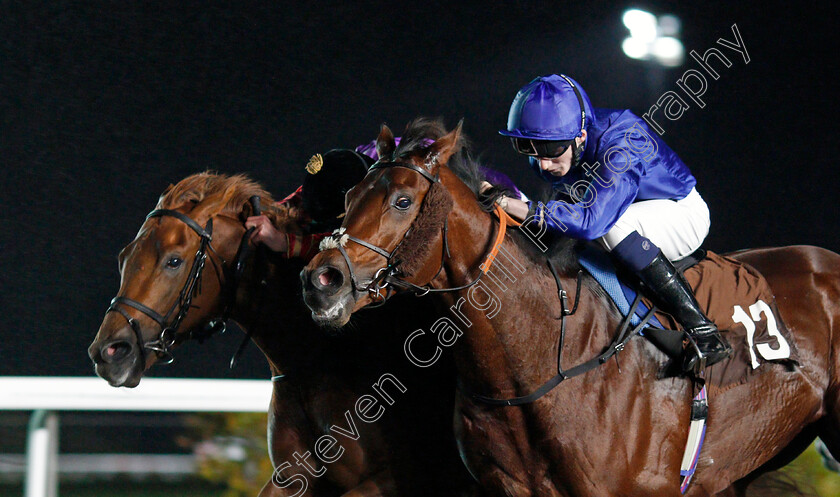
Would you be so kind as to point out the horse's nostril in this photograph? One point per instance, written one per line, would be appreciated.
(327, 277)
(115, 351)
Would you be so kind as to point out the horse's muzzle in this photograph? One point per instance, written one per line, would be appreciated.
(326, 292)
(117, 361)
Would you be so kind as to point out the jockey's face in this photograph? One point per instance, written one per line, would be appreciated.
(559, 166)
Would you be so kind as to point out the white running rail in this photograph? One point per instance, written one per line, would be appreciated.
(46, 396)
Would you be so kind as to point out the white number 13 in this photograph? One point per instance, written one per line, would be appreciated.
(767, 352)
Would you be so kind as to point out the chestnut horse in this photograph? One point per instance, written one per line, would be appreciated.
(199, 224)
(414, 224)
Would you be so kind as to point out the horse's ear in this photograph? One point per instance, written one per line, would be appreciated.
(252, 207)
(385, 143)
(246, 211)
(442, 149)
(163, 195)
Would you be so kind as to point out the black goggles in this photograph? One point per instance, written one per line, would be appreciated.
(549, 149)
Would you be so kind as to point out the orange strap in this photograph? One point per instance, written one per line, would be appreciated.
(504, 219)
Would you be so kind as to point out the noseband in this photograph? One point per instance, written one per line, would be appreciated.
(163, 343)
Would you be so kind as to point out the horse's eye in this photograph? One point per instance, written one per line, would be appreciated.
(403, 203)
(174, 262)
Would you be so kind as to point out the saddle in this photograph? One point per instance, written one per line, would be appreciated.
(734, 295)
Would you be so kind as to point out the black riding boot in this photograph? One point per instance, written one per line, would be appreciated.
(670, 292)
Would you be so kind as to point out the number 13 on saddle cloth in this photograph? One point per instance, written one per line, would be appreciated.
(740, 302)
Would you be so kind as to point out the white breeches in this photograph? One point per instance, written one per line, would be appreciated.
(677, 227)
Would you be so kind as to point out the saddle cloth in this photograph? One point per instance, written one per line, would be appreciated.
(734, 295)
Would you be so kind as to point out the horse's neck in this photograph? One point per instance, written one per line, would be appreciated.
(510, 345)
(278, 323)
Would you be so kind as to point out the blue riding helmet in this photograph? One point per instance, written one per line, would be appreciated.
(549, 108)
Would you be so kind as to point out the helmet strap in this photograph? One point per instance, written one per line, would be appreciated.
(580, 101)
(577, 152)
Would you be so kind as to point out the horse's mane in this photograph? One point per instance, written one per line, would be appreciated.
(223, 194)
(415, 140)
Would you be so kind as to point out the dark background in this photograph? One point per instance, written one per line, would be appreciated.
(102, 105)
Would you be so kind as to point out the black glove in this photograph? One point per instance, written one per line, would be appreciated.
(488, 198)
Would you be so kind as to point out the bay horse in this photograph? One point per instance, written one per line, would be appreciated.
(414, 224)
(184, 258)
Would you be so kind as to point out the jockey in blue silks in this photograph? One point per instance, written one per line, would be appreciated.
(615, 181)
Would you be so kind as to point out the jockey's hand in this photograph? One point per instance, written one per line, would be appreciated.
(267, 234)
(512, 205)
(516, 208)
(487, 194)
(488, 190)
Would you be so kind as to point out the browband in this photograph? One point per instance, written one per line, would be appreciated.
(426, 174)
(186, 219)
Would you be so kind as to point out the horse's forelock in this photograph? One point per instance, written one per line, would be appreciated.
(417, 134)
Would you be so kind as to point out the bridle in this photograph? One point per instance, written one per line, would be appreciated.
(388, 276)
(169, 325)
